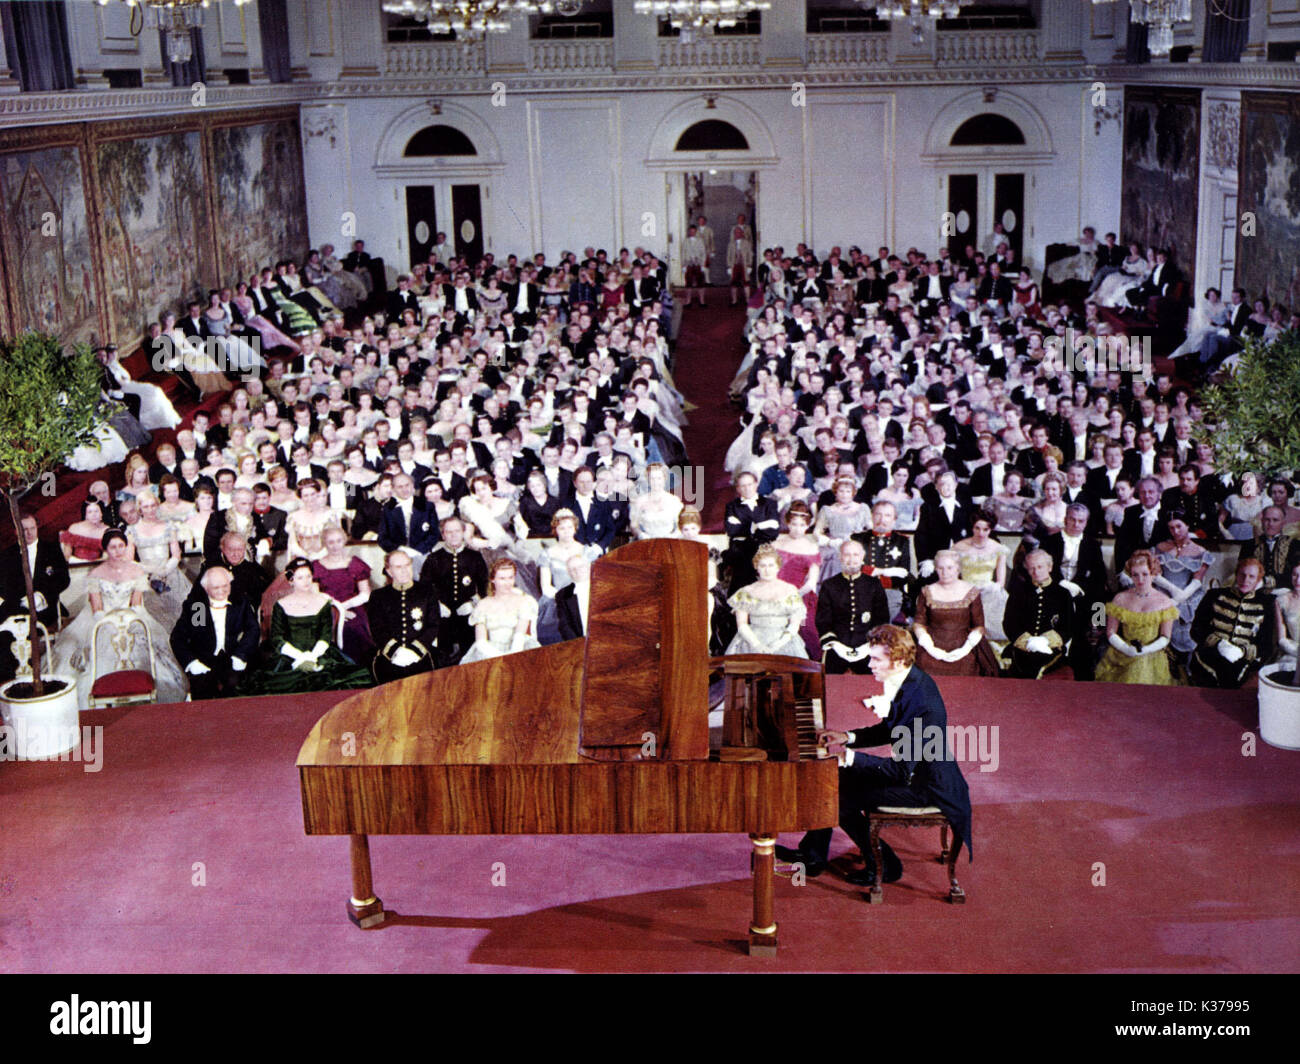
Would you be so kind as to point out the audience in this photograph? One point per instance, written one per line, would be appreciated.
(521, 417)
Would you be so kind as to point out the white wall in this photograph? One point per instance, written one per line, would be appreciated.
(857, 167)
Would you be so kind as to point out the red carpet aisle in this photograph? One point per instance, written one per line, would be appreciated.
(1201, 848)
(707, 357)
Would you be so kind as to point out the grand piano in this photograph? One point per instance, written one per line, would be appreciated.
(603, 735)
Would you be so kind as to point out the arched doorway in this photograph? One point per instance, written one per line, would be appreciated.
(442, 160)
(712, 150)
(987, 145)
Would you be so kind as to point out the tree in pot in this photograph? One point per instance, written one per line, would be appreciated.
(50, 405)
(1254, 408)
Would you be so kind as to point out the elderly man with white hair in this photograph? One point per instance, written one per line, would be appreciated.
(216, 636)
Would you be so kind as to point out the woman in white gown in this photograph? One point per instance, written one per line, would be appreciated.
(505, 621)
(1210, 315)
(108, 449)
(1081, 265)
(1113, 290)
(158, 551)
(156, 410)
(984, 565)
(117, 583)
(654, 513)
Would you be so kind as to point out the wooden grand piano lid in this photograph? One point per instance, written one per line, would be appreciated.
(642, 670)
(646, 674)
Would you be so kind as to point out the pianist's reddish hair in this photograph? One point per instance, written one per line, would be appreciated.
(898, 641)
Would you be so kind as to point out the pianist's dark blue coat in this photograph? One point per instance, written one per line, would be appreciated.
(935, 782)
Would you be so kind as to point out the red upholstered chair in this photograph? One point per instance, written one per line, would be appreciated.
(122, 638)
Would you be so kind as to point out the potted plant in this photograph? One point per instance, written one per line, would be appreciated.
(49, 406)
(1255, 410)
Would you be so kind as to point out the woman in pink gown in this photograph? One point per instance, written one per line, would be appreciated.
(801, 566)
(347, 581)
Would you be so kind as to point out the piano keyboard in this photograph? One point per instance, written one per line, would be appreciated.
(808, 722)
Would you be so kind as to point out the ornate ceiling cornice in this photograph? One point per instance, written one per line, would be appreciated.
(18, 109)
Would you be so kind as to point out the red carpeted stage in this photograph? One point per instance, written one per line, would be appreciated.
(1123, 829)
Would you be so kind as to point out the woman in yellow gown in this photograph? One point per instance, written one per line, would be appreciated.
(1139, 623)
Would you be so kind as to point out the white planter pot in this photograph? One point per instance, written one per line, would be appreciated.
(1279, 712)
(42, 727)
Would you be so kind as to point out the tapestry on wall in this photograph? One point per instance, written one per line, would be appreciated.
(47, 243)
(1162, 150)
(1268, 262)
(157, 234)
(260, 195)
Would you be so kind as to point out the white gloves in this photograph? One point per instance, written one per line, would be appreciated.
(1230, 652)
(443, 611)
(1074, 589)
(927, 568)
(403, 657)
(1037, 644)
(1124, 648)
(1187, 592)
(848, 653)
(1155, 646)
(263, 549)
(463, 610)
(238, 664)
(895, 571)
(40, 600)
(197, 668)
(517, 643)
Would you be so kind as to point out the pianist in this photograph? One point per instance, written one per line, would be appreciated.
(911, 777)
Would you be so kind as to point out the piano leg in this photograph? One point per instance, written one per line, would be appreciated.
(762, 931)
(364, 909)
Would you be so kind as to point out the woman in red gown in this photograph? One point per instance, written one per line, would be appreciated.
(801, 566)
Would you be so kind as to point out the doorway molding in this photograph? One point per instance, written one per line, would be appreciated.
(940, 153)
(390, 162)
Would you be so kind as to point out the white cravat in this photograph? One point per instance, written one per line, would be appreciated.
(999, 476)
(462, 301)
(949, 507)
(936, 289)
(218, 611)
(338, 497)
(1149, 521)
(521, 304)
(1070, 555)
(406, 507)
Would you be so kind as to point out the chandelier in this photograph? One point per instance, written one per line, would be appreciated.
(700, 16)
(1160, 17)
(917, 12)
(174, 17)
(472, 20)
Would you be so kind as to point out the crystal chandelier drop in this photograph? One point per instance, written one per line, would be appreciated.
(472, 20)
(916, 12)
(175, 18)
(1160, 17)
(692, 17)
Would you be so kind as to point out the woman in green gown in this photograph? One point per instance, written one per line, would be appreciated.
(1139, 623)
(301, 654)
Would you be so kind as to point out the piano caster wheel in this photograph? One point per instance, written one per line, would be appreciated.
(366, 914)
(957, 896)
(876, 896)
(762, 945)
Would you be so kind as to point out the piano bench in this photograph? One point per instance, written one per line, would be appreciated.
(927, 816)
